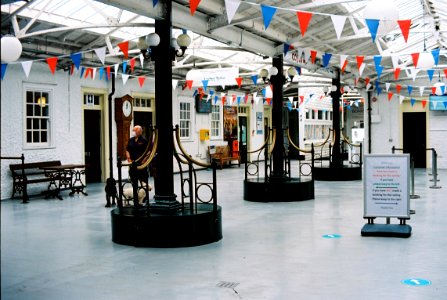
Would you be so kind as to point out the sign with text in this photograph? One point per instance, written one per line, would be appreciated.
(213, 77)
(386, 185)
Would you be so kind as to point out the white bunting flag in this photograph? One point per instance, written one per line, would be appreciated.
(306, 55)
(223, 87)
(174, 84)
(414, 72)
(401, 99)
(116, 69)
(208, 98)
(387, 86)
(435, 104)
(295, 104)
(94, 73)
(362, 67)
(26, 65)
(343, 58)
(368, 86)
(125, 77)
(142, 60)
(222, 95)
(356, 103)
(291, 99)
(101, 53)
(339, 23)
(421, 90)
(395, 60)
(231, 7)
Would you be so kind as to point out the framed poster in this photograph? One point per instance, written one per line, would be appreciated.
(230, 122)
(386, 185)
(259, 122)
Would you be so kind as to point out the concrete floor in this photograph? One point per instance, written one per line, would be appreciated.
(53, 249)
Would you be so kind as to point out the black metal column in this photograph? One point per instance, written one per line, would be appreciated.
(277, 118)
(336, 158)
(164, 179)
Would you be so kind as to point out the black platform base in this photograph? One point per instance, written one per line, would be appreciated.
(182, 229)
(337, 174)
(258, 190)
(387, 230)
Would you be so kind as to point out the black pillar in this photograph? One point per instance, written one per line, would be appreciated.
(277, 82)
(164, 179)
(336, 159)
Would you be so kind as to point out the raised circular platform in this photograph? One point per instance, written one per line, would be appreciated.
(337, 173)
(260, 190)
(181, 229)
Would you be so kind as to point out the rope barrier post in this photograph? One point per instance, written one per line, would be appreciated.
(245, 162)
(266, 155)
(214, 166)
(393, 149)
(312, 151)
(361, 154)
(120, 183)
(134, 179)
(24, 181)
(190, 184)
(435, 171)
(412, 195)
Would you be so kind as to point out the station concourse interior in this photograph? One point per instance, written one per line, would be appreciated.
(292, 149)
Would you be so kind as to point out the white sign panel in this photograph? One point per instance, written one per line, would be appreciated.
(387, 185)
(215, 77)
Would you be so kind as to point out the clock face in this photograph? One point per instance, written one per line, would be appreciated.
(127, 108)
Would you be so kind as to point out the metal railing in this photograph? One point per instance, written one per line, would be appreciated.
(252, 167)
(305, 167)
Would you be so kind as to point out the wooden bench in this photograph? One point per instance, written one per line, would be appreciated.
(25, 174)
(222, 154)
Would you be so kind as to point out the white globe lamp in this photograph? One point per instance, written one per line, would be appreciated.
(384, 10)
(11, 49)
(425, 61)
(273, 71)
(153, 39)
(333, 88)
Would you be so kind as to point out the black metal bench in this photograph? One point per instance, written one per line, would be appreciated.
(24, 174)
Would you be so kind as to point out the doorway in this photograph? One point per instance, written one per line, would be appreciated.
(294, 133)
(414, 137)
(92, 145)
(243, 133)
(144, 119)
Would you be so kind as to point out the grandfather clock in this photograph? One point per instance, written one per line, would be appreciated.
(123, 118)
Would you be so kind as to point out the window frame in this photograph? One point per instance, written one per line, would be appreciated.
(189, 103)
(50, 103)
(218, 121)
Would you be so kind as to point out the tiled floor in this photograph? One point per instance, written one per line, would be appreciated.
(53, 249)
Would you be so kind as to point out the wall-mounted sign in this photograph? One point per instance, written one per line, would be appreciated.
(213, 77)
(386, 185)
(258, 122)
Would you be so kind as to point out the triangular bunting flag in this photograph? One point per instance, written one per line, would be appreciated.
(26, 66)
(255, 79)
(193, 4)
(410, 89)
(205, 84)
(373, 25)
(359, 61)
(445, 72)
(174, 83)
(306, 54)
(72, 69)
(404, 28)
(239, 100)
(445, 104)
(396, 73)
(141, 80)
(430, 74)
(326, 59)
(124, 66)
(195, 93)
(189, 84)
(101, 53)
(424, 103)
(362, 68)
(433, 90)
(231, 7)
(239, 81)
(421, 90)
(301, 98)
(435, 53)
(82, 72)
(298, 70)
(124, 47)
(414, 72)
(415, 57)
(132, 64)
(246, 98)
(142, 60)
(398, 88)
(101, 73)
(215, 99)
(93, 73)
(116, 69)
(313, 55)
(401, 99)
(377, 60)
(412, 101)
(291, 99)
(395, 61)
(442, 87)
(267, 14)
(4, 66)
(379, 70)
(367, 80)
(108, 73)
(390, 95)
(343, 62)
(125, 77)
(52, 62)
(303, 20)
(339, 23)
(387, 86)
(154, 2)
(76, 58)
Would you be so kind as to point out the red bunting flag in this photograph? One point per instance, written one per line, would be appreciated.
(390, 95)
(239, 81)
(301, 99)
(342, 90)
(433, 90)
(246, 98)
(359, 61)
(313, 55)
(424, 103)
(367, 80)
(132, 64)
(398, 87)
(189, 84)
(303, 20)
(124, 46)
(396, 73)
(141, 80)
(108, 72)
(193, 4)
(223, 100)
(405, 28)
(72, 69)
(233, 98)
(268, 100)
(271, 87)
(445, 72)
(344, 66)
(52, 62)
(415, 57)
(87, 72)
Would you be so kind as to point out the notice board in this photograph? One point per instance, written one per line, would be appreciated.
(386, 185)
